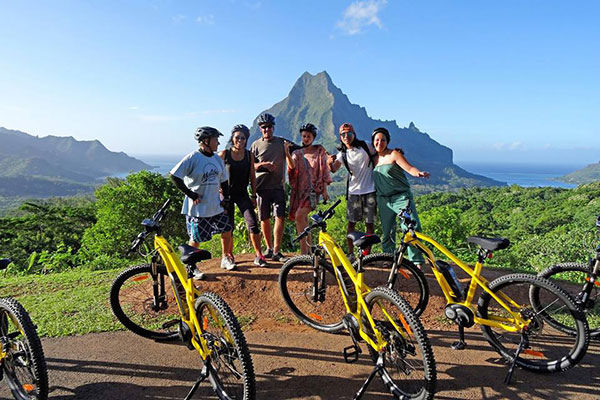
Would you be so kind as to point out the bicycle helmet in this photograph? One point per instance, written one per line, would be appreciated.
(309, 128)
(385, 132)
(265, 119)
(205, 132)
(241, 128)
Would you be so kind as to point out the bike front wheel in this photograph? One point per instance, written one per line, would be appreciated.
(144, 302)
(409, 282)
(574, 278)
(409, 366)
(315, 300)
(23, 365)
(539, 301)
(232, 373)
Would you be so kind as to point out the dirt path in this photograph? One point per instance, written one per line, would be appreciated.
(291, 360)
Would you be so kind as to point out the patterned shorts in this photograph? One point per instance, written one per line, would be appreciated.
(362, 206)
(202, 229)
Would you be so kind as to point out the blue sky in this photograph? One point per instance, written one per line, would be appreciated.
(494, 80)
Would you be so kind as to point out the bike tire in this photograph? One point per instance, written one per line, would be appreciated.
(230, 355)
(24, 365)
(571, 277)
(132, 298)
(410, 370)
(550, 349)
(410, 281)
(296, 283)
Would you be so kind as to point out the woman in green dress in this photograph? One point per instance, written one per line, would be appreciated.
(393, 191)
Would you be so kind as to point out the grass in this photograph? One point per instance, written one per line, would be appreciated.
(69, 303)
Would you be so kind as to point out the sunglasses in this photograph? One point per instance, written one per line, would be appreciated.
(265, 127)
(239, 138)
(344, 134)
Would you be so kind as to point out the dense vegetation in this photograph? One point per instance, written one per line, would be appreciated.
(545, 225)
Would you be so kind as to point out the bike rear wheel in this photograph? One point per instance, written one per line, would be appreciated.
(409, 365)
(144, 302)
(24, 365)
(410, 281)
(549, 349)
(322, 311)
(232, 372)
(572, 278)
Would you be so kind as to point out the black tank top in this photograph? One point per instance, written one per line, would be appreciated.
(239, 173)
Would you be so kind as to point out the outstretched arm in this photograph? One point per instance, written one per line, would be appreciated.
(408, 167)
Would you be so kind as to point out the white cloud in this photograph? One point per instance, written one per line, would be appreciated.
(135, 108)
(361, 14)
(206, 19)
(178, 18)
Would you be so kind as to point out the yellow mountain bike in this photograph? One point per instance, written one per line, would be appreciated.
(159, 301)
(396, 340)
(22, 360)
(522, 316)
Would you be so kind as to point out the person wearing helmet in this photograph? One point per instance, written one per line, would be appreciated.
(240, 168)
(200, 175)
(358, 158)
(393, 191)
(309, 177)
(270, 155)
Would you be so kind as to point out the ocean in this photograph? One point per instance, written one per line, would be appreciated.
(526, 175)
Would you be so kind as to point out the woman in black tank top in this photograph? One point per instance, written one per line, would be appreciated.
(240, 167)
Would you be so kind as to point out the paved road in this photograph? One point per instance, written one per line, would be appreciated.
(299, 365)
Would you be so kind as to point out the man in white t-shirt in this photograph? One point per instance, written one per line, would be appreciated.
(200, 175)
(356, 156)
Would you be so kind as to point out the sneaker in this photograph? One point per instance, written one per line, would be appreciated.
(279, 257)
(269, 253)
(260, 261)
(227, 263)
(197, 275)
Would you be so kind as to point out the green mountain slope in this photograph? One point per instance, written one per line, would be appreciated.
(589, 174)
(315, 99)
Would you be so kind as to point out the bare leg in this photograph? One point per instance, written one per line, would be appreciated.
(370, 229)
(351, 226)
(255, 239)
(278, 233)
(301, 223)
(227, 244)
(265, 225)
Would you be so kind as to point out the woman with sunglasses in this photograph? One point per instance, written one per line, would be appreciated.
(240, 166)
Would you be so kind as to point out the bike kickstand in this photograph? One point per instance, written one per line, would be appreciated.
(376, 369)
(202, 377)
(523, 344)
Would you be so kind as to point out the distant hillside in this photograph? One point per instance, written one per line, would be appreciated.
(56, 166)
(589, 174)
(315, 99)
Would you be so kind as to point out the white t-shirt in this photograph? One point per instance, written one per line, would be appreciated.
(361, 180)
(202, 175)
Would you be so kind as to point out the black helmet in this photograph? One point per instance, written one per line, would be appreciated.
(385, 132)
(265, 119)
(309, 128)
(241, 128)
(205, 132)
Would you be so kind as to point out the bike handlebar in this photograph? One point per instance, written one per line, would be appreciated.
(156, 218)
(319, 220)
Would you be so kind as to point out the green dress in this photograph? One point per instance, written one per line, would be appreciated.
(393, 192)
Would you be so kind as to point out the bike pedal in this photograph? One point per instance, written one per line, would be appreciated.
(459, 345)
(351, 354)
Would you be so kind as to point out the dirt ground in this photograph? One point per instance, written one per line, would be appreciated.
(292, 361)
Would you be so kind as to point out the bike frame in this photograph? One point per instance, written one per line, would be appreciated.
(514, 324)
(177, 271)
(339, 260)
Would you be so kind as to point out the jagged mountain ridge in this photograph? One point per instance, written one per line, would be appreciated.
(61, 157)
(316, 99)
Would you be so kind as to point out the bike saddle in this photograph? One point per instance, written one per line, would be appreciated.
(363, 240)
(191, 255)
(489, 243)
(4, 263)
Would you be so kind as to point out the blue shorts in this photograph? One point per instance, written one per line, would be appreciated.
(202, 229)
